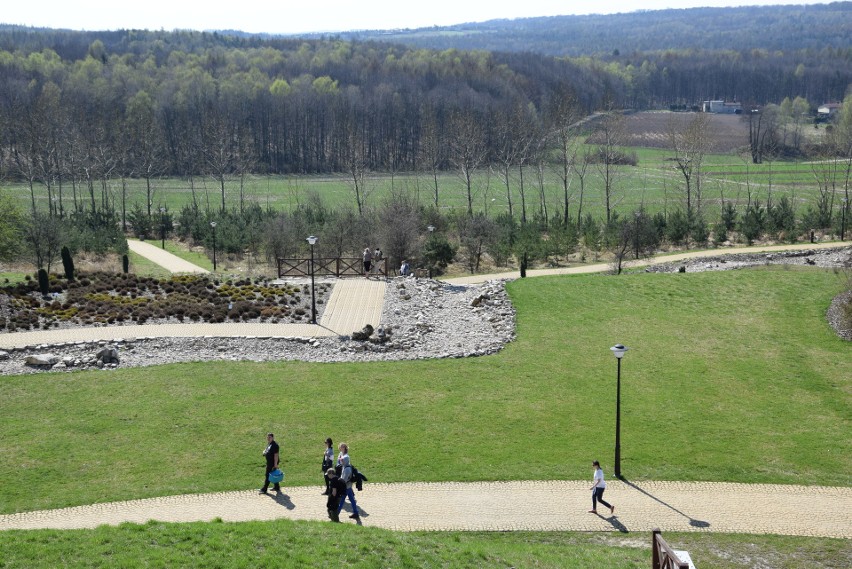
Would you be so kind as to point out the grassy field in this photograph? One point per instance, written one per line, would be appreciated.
(716, 386)
(654, 183)
(315, 544)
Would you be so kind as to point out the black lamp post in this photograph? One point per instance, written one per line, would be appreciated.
(163, 227)
(619, 351)
(312, 241)
(843, 223)
(213, 225)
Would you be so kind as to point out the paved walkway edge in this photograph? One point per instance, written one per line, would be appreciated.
(657, 260)
(168, 261)
(502, 506)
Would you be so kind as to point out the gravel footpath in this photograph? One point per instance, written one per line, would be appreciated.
(501, 506)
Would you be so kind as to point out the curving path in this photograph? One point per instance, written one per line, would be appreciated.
(502, 506)
(604, 267)
(167, 260)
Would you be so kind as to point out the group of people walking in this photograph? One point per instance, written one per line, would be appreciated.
(340, 476)
(338, 481)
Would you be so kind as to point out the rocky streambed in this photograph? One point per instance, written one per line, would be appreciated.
(421, 319)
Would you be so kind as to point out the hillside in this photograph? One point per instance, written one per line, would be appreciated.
(771, 28)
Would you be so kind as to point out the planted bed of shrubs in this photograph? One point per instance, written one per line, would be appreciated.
(116, 298)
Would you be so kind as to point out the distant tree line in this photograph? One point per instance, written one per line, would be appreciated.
(186, 104)
(147, 104)
(786, 28)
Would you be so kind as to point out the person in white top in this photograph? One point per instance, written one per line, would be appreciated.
(598, 487)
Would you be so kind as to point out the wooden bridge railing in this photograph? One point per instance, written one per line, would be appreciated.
(662, 555)
(332, 266)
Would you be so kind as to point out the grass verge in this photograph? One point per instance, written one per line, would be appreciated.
(315, 544)
(731, 377)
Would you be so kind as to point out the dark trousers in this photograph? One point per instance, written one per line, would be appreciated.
(333, 507)
(597, 496)
(270, 468)
(351, 495)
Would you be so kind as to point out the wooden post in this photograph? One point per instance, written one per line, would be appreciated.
(655, 551)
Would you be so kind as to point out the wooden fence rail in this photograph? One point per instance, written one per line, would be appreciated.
(663, 556)
(330, 267)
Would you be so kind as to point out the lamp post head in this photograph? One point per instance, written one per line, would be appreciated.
(213, 224)
(431, 228)
(618, 350)
(312, 240)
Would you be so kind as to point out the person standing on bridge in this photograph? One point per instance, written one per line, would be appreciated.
(598, 487)
(367, 256)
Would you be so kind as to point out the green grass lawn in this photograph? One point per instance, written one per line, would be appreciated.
(142, 266)
(12, 278)
(732, 376)
(180, 250)
(654, 183)
(318, 544)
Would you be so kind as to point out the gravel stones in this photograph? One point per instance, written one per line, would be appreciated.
(421, 319)
(826, 258)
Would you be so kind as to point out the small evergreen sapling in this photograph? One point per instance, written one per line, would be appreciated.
(68, 264)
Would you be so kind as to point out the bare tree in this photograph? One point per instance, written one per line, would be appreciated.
(581, 168)
(468, 150)
(690, 143)
(355, 161)
(563, 116)
(609, 138)
(762, 130)
(508, 148)
(432, 147)
(398, 227)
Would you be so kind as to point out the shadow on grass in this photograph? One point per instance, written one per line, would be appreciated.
(692, 521)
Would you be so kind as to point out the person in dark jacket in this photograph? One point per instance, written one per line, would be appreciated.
(327, 462)
(271, 454)
(336, 493)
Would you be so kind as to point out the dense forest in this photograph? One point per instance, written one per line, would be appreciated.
(768, 28)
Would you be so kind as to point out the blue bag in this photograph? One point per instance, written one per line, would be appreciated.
(276, 476)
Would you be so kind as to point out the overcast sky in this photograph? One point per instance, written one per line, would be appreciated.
(298, 16)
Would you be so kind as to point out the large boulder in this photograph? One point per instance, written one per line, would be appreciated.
(108, 355)
(364, 334)
(41, 360)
